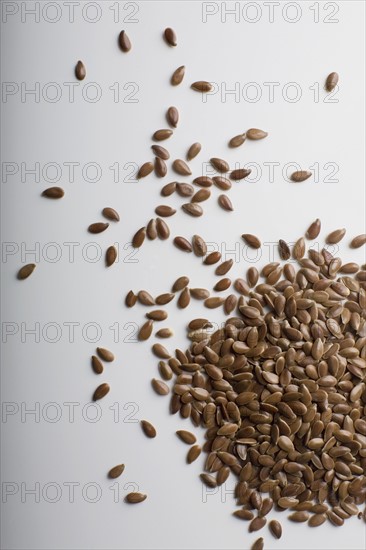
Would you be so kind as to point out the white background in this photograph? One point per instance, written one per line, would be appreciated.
(176, 514)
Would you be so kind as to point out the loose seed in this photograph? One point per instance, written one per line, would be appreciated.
(145, 170)
(53, 193)
(164, 333)
(222, 183)
(199, 246)
(201, 195)
(172, 116)
(193, 209)
(162, 229)
(331, 81)
(275, 528)
(160, 167)
(151, 231)
(201, 86)
(145, 331)
(124, 42)
(251, 240)
(186, 437)
(164, 299)
(313, 230)
(299, 249)
(160, 387)
(181, 167)
(116, 471)
(358, 241)
(160, 152)
(212, 258)
(105, 355)
(183, 244)
(161, 135)
(111, 214)
(203, 181)
(258, 544)
(80, 71)
(170, 37)
(225, 203)
(336, 236)
(300, 175)
(97, 365)
(284, 250)
(139, 237)
(184, 298)
(177, 76)
(180, 283)
(148, 429)
(98, 227)
(220, 165)
(165, 211)
(101, 392)
(145, 298)
(193, 453)
(223, 268)
(135, 498)
(131, 299)
(236, 141)
(25, 271)
(255, 134)
(256, 524)
(185, 189)
(168, 189)
(110, 256)
(157, 315)
(240, 173)
(193, 151)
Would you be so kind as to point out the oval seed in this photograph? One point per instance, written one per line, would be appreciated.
(145, 331)
(145, 170)
(80, 71)
(160, 152)
(358, 241)
(225, 203)
(165, 211)
(98, 227)
(193, 453)
(139, 237)
(255, 134)
(313, 230)
(331, 81)
(111, 214)
(177, 76)
(181, 167)
(110, 255)
(258, 544)
(186, 437)
(25, 271)
(275, 528)
(160, 387)
(105, 354)
(161, 135)
(96, 365)
(182, 244)
(201, 86)
(193, 209)
(148, 429)
(135, 498)
(335, 236)
(240, 173)
(53, 193)
(101, 391)
(116, 471)
(193, 151)
(300, 175)
(170, 37)
(172, 116)
(251, 240)
(236, 141)
(124, 42)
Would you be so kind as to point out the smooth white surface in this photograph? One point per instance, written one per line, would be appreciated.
(177, 514)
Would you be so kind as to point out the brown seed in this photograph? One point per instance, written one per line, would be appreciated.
(230, 303)
(214, 302)
(252, 276)
(193, 151)
(164, 333)
(298, 250)
(148, 429)
(157, 315)
(164, 299)
(177, 76)
(199, 293)
(25, 271)
(225, 203)
(236, 141)
(139, 237)
(145, 298)
(300, 175)
(201, 195)
(222, 183)
(101, 391)
(160, 167)
(223, 284)
(160, 152)
(331, 81)
(183, 244)
(316, 520)
(116, 471)
(160, 351)
(255, 133)
(223, 268)
(160, 135)
(208, 480)
(193, 453)
(275, 528)
(105, 355)
(220, 165)
(145, 331)
(184, 298)
(201, 86)
(299, 517)
(181, 168)
(258, 544)
(185, 189)
(135, 498)
(256, 524)
(110, 255)
(53, 193)
(251, 240)
(180, 283)
(151, 231)
(111, 214)
(160, 387)
(335, 236)
(358, 241)
(193, 209)
(145, 170)
(212, 258)
(96, 365)
(162, 229)
(186, 437)
(240, 173)
(170, 37)
(168, 189)
(98, 227)
(131, 299)
(203, 181)
(172, 116)
(284, 250)
(199, 246)
(124, 42)
(80, 71)
(313, 230)
(165, 211)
